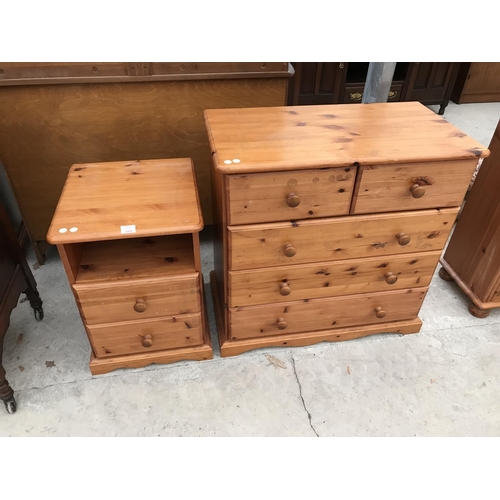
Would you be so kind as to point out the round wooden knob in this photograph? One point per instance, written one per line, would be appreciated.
(379, 312)
(282, 324)
(417, 191)
(403, 239)
(140, 306)
(285, 289)
(147, 341)
(293, 200)
(390, 278)
(289, 250)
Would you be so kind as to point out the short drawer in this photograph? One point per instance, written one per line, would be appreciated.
(134, 337)
(324, 314)
(323, 240)
(139, 299)
(331, 279)
(354, 93)
(390, 188)
(302, 194)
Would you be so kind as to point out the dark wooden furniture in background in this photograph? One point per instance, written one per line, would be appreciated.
(477, 82)
(334, 83)
(53, 115)
(15, 278)
(472, 258)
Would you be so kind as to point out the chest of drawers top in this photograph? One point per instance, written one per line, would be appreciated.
(303, 137)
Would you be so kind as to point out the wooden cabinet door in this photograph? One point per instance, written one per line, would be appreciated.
(430, 82)
(316, 83)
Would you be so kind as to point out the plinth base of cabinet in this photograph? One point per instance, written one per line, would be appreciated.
(477, 307)
(235, 347)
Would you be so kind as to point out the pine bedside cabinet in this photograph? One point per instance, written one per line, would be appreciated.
(127, 234)
(330, 219)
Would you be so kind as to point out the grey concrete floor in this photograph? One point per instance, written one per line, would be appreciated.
(444, 381)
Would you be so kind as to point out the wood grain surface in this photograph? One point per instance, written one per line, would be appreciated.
(279, 196)
(44, 129)
(120, 200)
(388, 188)
(301, 137)
(122, 338)
(321, 314)
(340, 238)
(331, 279)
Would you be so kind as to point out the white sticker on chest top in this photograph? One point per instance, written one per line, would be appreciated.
(127, 229)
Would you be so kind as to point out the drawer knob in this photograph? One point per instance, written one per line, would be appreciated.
(379, 312)
(417, 191)
(147, 341)
(140, 306)
(289, 250)
(390, 278)
(282, 324)
(403, 239)
(285, 289)
(293, 200)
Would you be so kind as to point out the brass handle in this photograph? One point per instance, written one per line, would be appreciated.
(355, 96)
(293, 200)
(140, 306)
(285, 289)
(379, 312)
(403, 239)
(390, 278)
(417, 191)
(392, 93)
(282, 324)
(147, 341)
(289, 250)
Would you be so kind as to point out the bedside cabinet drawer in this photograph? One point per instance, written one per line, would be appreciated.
(141, 299)
(145, 336)
(322, 240)
(390, 188)
(324, 314)
(301, 194)
(331, 279)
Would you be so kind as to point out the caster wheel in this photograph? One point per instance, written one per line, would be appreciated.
(39, 313)
(478, 313)
(11, 405)
(444, 275)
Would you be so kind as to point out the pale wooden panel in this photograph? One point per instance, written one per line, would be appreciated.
(110, 302)
(137, 258)
(331, 279)
(264, 197)
(388, 188)
(126, 337)
(322, 314)
(301, 137)
(44, 129)
(339, 238)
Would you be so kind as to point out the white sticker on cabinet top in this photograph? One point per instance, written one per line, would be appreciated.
(127, 229)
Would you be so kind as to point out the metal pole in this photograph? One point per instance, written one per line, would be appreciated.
(378, 82)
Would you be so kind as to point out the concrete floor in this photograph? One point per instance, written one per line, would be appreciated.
(444, 381)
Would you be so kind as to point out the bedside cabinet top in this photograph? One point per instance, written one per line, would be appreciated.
(127, 199)
(338, 135)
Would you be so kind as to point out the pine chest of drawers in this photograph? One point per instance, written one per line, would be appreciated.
(330, 220)
(127, 234)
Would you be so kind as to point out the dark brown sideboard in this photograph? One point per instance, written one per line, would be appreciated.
(341, 82)
(53, 115)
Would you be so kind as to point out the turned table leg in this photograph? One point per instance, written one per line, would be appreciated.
(35, 301)
(6, 392)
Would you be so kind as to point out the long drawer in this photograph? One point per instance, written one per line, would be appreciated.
(139, 299)
(331, 279)
(144, 336)
(390, 188)
(324, 314)
(321, 240)
(302, 194)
